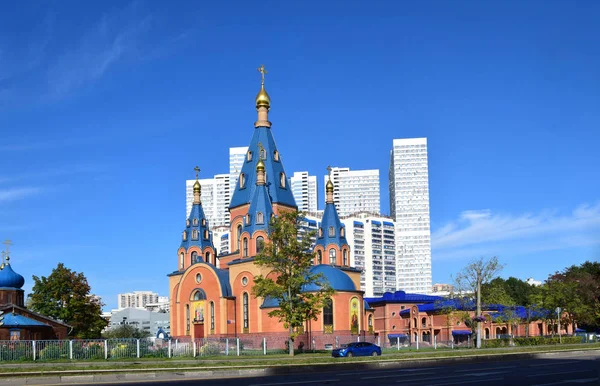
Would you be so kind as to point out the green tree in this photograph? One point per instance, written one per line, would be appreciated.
(125, 331)
(495, 292)
(65, 295)
(288, 259)
(471, 279)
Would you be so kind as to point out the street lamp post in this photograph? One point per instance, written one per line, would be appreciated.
(558, 317)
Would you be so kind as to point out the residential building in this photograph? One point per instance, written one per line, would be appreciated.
(442, 289)
(355, 190)
(373, 251)
(136, 299)
(215, 199)
(304, 188)
(409, 207)
(142, 319)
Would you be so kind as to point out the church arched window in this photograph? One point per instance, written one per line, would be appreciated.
(239, 236)
(332, 256)
(246, 312)
(203, 222)
(207, 257)
(319, 257)
(187, 223)
(181, 261)
(345, 257)
(205, 235)
(249, 156)
(260, 243)
(331, 231)
(328, 316)
(242, 180)
(184, 236)
(195, 222)
(320, 232)
(276, 156)
(187, 319)
(343, 232)
(245, 247)
(282, 180)
(199, 295)
(194, 234)
(212, 317)
(260, 219)
(194, 258)
(247, 218)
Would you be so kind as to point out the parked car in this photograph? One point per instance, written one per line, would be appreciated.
(357, 349)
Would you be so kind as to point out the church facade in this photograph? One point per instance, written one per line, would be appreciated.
(211, 296)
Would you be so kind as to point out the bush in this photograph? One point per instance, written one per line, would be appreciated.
(53, 351)
(211, 349)
(495, 343)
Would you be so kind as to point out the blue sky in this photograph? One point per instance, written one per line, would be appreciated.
(105, 108)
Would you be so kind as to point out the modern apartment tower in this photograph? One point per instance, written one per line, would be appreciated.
(373, 250)
(409, 207)
(214, 196)
(355, 190)
(304, 188)
(136, 299)
(237, 155)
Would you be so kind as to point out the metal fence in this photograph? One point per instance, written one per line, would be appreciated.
(115, 349)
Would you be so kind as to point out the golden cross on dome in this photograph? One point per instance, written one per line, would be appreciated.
(8, 243)
(197, 169)
(263, 71)
(329, 171)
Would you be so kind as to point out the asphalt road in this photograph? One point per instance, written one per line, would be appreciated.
(559, 370)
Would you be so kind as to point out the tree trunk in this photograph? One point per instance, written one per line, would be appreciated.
(291, 329)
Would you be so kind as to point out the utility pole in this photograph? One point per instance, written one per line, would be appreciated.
(558, 310)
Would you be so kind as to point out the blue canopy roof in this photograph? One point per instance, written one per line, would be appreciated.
(197, 221)
(331, 219)
(403, 297)
(261, 203)
(15, 320)
(462, 332)
(337, 279)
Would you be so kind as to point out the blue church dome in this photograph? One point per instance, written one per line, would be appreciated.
(10, 279)
(337, 279)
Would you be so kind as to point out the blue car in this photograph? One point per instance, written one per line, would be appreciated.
(356, 349)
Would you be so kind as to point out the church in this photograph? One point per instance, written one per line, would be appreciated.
(211, 295)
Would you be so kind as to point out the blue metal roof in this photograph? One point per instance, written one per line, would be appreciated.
(278, 194)
(10, 279)
(261, 203)
(337, 279)
(462, 332)
(15, 320)
(331, 219)
(197, 214)
(403, 297)
(270, 302)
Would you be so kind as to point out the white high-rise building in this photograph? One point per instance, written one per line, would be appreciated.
(304, 188)
(237, 155)
(355, 190)
(409, 206)
(214, 196)
(136, 299)
(373, 250)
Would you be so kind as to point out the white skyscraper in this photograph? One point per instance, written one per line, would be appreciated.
(215, 198)
(373, 250)
(304, 188)
(136, 299)
(409, 206)
(355, 190)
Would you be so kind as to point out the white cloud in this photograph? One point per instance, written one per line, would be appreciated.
(478, 233)
(12, 194)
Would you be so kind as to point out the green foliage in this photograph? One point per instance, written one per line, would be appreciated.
(65, 296)
(542, 340)
(495, 343)
(125, 331)
(289, 261)
(53, 351)
(211, 349)
(124, 350)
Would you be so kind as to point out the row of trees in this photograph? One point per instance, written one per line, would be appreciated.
(575, 290)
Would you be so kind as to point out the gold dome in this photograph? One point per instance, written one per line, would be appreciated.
(260, 166)
(197, 186)
(329, 186)
(262, 98)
